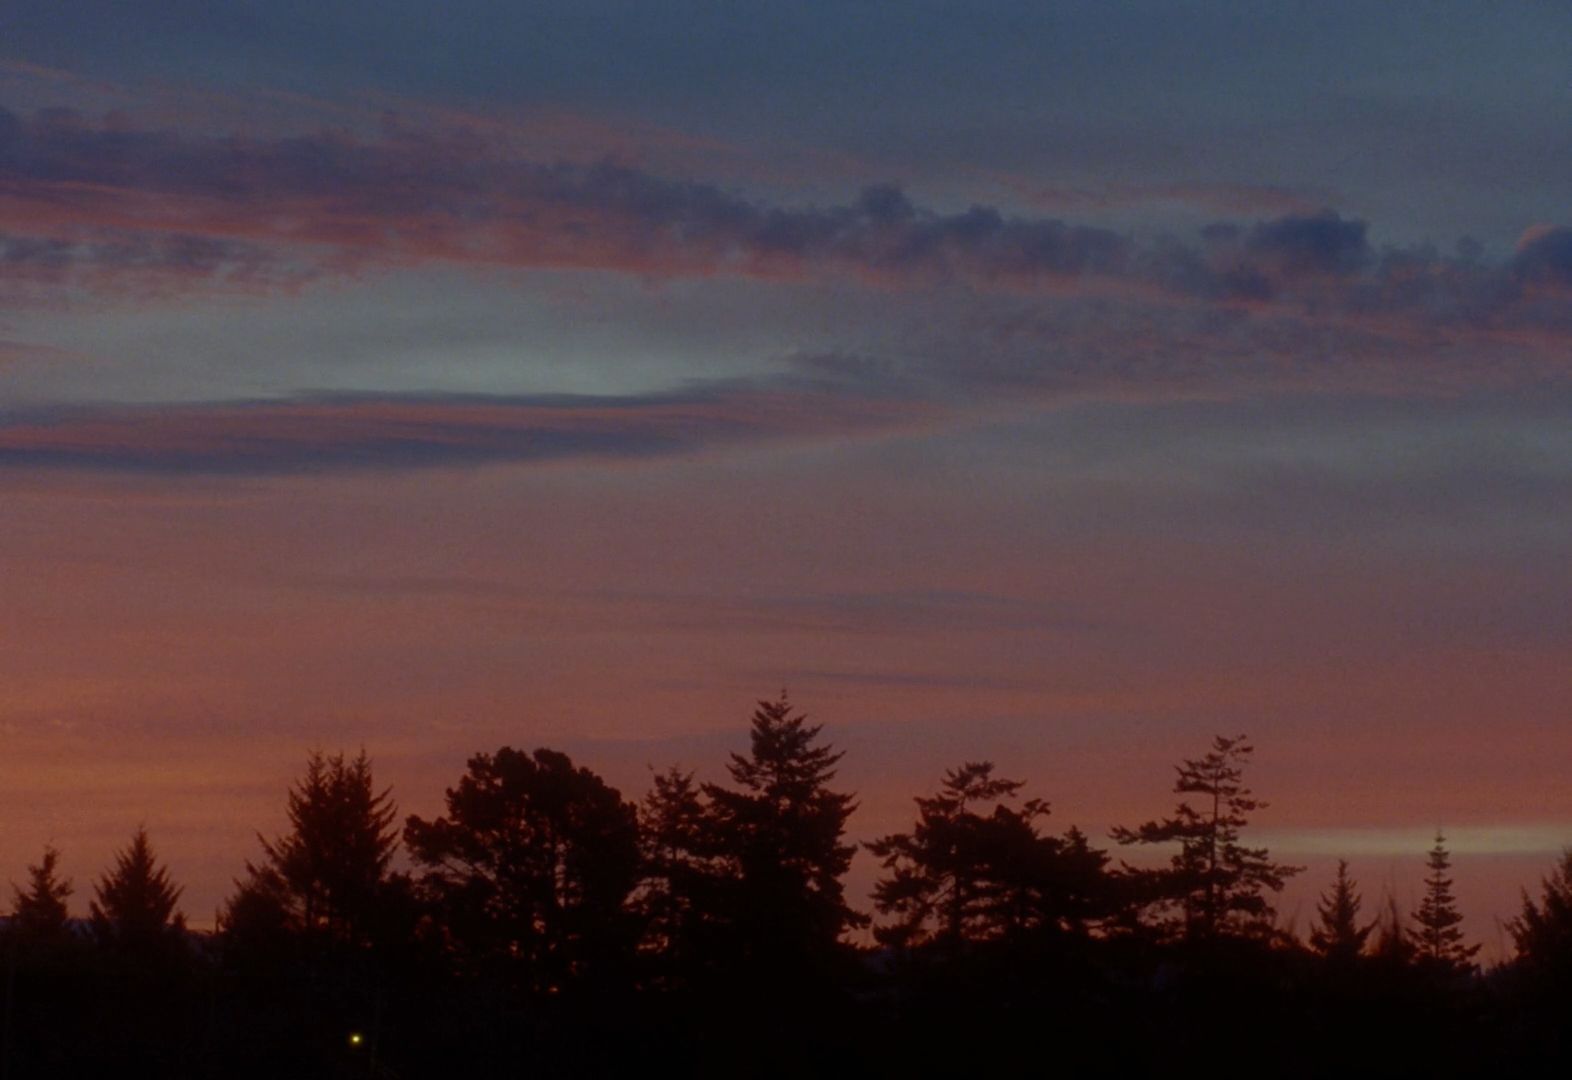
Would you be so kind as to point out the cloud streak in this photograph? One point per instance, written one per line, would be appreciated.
(139, 264)
(330, 433)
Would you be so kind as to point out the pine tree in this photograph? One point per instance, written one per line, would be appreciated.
(1542, 932)
(679, 879)
(134, 906)
(39, 912)
(779, 834)
(328, 874)
(963, 876)
(1438, 937)
(934, 883)
(1218, 886)
(1338, 936)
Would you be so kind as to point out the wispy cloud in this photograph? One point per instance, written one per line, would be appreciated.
(140, 264)
(866, 612)
(338, 432)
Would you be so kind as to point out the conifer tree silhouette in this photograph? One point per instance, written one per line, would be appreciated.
(39, 911)
(134, 906)
(680, 878)
(779, 831)
(961, 875)
(1393, 947)
(1542, 931)
(326, 876)
(1438, 937)
(1338, 936)
(1218, 885)
(935, 885)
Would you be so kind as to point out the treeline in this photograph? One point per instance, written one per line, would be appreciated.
(544, 925)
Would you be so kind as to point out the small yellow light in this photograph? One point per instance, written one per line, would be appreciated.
(356, 1038)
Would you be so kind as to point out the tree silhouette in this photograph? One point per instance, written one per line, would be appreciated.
(963, 876)
(780, 831)
(1541, 977)
(1394, 947)
(680, 878)
(1542, 932)
(1338, 936)
(327, 875)
(532, 863)
(39, 912)
(564, 931)
(1438, 937)
(134, 905)
(1218, 885)
(936, 884)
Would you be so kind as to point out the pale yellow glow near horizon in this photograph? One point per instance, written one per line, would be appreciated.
(1518, 839)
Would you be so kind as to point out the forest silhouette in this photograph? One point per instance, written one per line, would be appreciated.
(545, 925)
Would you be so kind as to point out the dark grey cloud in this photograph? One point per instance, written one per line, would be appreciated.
(121, 199)
(1546, 257)
(1323, 243)
(416, 194)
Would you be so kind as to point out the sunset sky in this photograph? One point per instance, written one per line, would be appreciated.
(1058, 384)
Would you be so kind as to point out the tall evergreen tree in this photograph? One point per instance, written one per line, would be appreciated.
(39, 911)
(680, 880)
(965, 876)
(1338, 936)
(1438, 937)
(134, 906)
(1540, 979)
(934, 886)
(1217, 885)
(1542, 931)
(779, 832)
(327, 875)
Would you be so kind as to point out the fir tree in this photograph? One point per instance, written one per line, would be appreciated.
(39, 911)
(328, 874)
(1338, 936)
(934, 883)
(679, 878)
(1217, 885)
(779, 834)
(134, 905)
(962, 875)
(1438, 937)
(1542, 932)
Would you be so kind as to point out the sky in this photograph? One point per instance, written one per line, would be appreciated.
(1053, 384)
